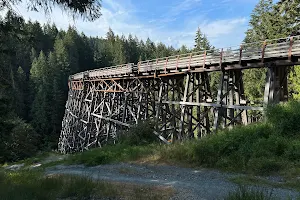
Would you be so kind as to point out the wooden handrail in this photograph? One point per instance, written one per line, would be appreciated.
(247, 51)
(263, 51)
(290, 48)
(241, 54)
(204, 59)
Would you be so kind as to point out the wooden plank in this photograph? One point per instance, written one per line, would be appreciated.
(111, 120)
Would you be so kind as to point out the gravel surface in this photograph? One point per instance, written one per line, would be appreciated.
(188, 183)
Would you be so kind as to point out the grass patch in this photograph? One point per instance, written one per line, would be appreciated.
(245, 193)
(30, 185)
(253, 180)
(111, 154)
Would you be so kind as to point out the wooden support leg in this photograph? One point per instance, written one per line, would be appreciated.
(219, 101)
(182, 116)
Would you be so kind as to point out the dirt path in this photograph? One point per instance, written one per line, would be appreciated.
(188, 183)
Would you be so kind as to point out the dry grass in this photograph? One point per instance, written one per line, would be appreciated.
(28, 185)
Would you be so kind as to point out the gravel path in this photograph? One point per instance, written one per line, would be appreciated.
(188, 183)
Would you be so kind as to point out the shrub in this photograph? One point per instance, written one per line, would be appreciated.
(285, 118)
(293, 151)
(20, 142)
(265, 165)
(246, 193)
(139, 134)
(110, 154)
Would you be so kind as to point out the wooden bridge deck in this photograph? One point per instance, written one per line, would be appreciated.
(245, 56)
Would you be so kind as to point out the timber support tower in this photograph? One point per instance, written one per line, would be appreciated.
(175, 92)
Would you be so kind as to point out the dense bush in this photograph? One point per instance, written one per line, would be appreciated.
(19, 141)
(139, 134)
(285, 118)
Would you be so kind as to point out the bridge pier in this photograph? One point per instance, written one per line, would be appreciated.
(232, 109)
(276, 89)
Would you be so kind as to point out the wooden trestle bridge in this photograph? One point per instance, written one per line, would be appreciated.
(174, 92)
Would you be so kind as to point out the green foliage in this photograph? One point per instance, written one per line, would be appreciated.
(139, 134)
(201, 42)
(261, 148)
(255, 92)
(89, 9)
(271, 20)
(294, 82)
(285, 118)
(246, 193)
(21, 141)
(111, 154)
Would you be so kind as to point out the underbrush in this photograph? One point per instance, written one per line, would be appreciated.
(111, 154)
(134, 144)
(28, 185)
(264, 148)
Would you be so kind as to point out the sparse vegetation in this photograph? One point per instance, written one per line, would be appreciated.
(28, 185)
(260, 181)
(246, 193)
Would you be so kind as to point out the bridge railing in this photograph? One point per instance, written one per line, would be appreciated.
(282, 47)
(125, 69)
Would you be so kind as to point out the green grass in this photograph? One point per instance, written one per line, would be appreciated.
(254, 180)
(29, 185)
(245, 193)
(111, 154)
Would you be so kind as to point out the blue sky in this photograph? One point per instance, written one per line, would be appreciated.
(173, 22)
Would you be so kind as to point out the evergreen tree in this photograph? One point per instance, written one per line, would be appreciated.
(58, 99)
(150, 49)
(288, 13)
(42, 102)
(260, 29)
(132, 50)
(161, 50)
(265, 23)
(119, 52)
(89, 9)
(63, 62)
(183, 50)
(70, 44)
(102, 53)
(201, 41)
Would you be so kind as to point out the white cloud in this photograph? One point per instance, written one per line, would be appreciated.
(182, 6)
(123, 18)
